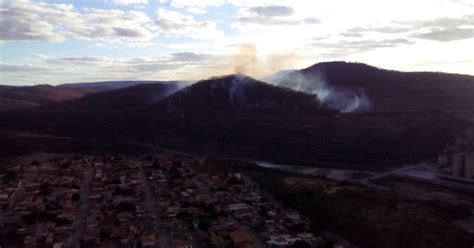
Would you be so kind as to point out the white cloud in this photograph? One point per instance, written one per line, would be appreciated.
(272, 10)
(252, 3)
(178, 24)
(194, 6)
(128, 2)
(22, 68)
(261, 18)
(57, 22)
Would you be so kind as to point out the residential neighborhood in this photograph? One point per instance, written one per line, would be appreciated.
(157, 200)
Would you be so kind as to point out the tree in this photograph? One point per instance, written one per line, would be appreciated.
(204, 225)
(75, 197)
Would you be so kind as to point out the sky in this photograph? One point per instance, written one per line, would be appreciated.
(64, 41)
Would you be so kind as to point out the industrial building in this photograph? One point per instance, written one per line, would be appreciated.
(458, 164)
(469, 166)
(460, 158)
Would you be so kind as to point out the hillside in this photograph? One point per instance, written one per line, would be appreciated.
(241, 117)
(133, 97)
(363, 88)
(239, 94)
(20, 97)
(98, 114)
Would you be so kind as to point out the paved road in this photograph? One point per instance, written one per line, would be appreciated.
(81, 217)
(394, 172)
(163, 237)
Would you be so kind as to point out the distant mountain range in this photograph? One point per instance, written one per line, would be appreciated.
(112, 85)
(19, 97)
(133, 97)
(328, 112)
(347, 87)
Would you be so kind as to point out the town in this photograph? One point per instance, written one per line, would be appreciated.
(156, 200)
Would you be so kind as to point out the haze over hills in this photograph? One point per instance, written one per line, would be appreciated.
(239, 93)
(85, 116)
(19, 97)
(132, 97)
(363, 88)
(112, 85)
(140, 103)
(347, 87)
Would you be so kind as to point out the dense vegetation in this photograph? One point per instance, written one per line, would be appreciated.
(370, 138)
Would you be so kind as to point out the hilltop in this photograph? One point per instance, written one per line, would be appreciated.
(363, 88)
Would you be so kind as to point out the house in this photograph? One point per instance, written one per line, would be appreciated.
(241, 239)
(458, 164)
(148, 240)
(183, 244)
(239, 206)
(294, 216)
(463, 165)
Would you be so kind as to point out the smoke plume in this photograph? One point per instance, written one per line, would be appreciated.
(245, 61)
(344, 99)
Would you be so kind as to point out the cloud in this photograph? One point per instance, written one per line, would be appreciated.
(260, 20)
(438, 29)
(173, 66)
(190, 56)
(272, 10)
(268, 15)
(253, 3)
(443, 22)
(128, 2)
(447, 34)
(22, 21)
(178, 24)
(194, 6)
(446, 29)
(76, 61)
(347, 47)
(131, 65)
(22, 68)
(26, 21)
(359, 32)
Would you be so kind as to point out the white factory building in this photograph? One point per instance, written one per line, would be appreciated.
(462, 160)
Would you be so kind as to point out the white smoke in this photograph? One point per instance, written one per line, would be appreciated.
(345, 100)
(359, 103)
(237, 88)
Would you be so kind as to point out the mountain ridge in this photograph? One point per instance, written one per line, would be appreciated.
(340, 84)
(237, 92)
(112, 85)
